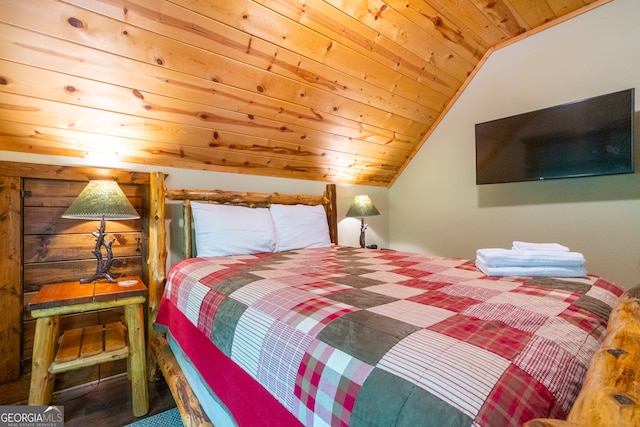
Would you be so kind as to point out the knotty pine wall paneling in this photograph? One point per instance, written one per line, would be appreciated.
(10, 273)
(54, 249)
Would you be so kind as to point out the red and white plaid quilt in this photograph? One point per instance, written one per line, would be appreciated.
(345, 336)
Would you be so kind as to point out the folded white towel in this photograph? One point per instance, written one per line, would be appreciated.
(528, 246)
(552, 271)
(498, 257)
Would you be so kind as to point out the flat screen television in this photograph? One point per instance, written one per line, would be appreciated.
(583, 138)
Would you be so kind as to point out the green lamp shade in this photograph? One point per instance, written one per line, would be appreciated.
(362, 206)
(101, 199)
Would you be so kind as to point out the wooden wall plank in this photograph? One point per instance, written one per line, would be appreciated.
(310, 28)
(246, 157)
(321, 17)
(424, 37)
(533, 14)
(48, 193)
(301, 55)
(77, 173)
(85, 91)
(10, 278)
(170, 159)
(206, 147)
(48, 220)
(200, 144)
(38, 274)
(100, 116)
(154, 48)
(56, 253)
(64, 247)
(143, 76)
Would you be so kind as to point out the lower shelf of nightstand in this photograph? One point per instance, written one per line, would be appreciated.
(89, 346)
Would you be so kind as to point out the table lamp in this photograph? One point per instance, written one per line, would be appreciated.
(101, 200)
(362, 206)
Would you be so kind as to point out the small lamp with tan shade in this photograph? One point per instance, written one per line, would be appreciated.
(101, 200)
(360, 207)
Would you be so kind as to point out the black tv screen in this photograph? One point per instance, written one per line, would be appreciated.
(583, 138)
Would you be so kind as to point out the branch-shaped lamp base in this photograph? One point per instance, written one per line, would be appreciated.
(104, 265)
(363, 227)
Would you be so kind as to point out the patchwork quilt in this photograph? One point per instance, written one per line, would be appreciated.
(344, 336)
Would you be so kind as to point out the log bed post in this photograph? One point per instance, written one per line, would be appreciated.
(610, 394)
(159, 354)
(187, 223)
(157, 262)
(332, 214)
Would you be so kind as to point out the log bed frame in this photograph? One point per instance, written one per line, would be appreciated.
(159, 353)
(610, 396)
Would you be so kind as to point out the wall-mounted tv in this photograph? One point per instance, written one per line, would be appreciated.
(583, 138)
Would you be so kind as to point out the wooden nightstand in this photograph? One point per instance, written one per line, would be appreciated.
(79, 348)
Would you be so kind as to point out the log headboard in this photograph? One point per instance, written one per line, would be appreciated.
(252, 200)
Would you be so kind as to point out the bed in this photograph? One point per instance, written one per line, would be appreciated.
(333, 335)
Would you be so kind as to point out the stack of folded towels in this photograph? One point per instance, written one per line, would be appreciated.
(531, 259)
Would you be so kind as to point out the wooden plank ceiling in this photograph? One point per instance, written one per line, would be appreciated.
(332, 90)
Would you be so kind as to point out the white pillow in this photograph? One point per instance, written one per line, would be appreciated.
(300, 226)
(232, 230)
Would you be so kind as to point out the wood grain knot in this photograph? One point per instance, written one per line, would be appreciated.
(75, 22)
(623, 400)
(379, 14)
(3, 81)
(616, 352)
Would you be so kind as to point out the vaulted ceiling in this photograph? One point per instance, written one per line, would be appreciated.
(332, 90)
